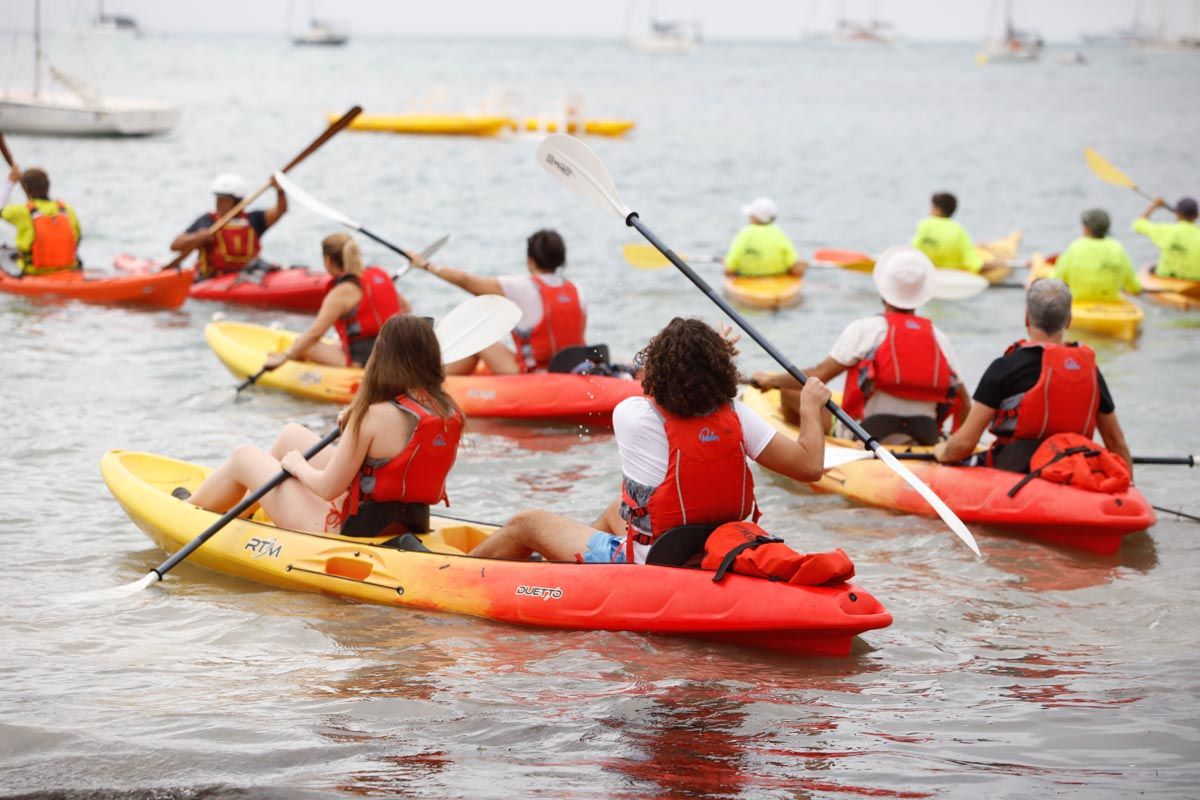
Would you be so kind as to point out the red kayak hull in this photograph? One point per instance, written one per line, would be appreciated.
(289, 289)
(155, 289)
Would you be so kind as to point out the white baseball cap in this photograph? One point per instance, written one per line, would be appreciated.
(229, 184)
(761, 209)
(904, 277)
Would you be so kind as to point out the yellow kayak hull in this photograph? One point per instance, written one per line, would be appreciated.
(591, 127)
(1166, 290)
(1116, 320)
(1000, 250)
(430, 124)
(774, 292)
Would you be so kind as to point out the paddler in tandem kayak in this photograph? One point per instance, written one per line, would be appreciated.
(761, 249)
(1040, 387)
(48, 231)
(553, 311)
(237, 245)
(1096, 266)
(902, 374)
(1178, 241)
(683, 450)
(399, 440)
(357, 304)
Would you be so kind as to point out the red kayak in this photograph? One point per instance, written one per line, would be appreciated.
(158, 289)
(287, 289)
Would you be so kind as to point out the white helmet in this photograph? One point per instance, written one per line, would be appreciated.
(229, 184)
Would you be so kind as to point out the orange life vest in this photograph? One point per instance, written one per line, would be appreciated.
(54, 243)
(379, 303)
(235, 247)
(1077, 461)
(417, 474)
(707, 483)
(1065, 399)
(908, 364)
(747, 549)
(562, 325)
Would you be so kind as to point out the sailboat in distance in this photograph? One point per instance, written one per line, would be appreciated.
(1015, 47)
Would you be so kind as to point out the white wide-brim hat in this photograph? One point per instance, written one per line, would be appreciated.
(230, 185)
(904, 277)
(762, 209)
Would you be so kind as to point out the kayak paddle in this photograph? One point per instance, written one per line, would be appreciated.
(1107, 172)
(329, 133)
(467, 329)
(426, 253)
(320, 209)
(643, 256)
(573, 162)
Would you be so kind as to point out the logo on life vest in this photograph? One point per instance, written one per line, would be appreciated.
(911, 325)
(544, 592)
(264, 547)
(558, 165)
(1071, 363)
(707, 435)
(439, 441)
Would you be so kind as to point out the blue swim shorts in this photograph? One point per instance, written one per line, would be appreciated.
(604, 548)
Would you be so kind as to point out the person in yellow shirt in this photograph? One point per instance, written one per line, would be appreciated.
(1095, 266)
(48, 231)
(761, 249)
(947, 243)
(1178, 242)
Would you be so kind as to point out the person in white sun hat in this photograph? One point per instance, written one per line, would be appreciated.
(761, 249)
(237, 245)
(901, 373)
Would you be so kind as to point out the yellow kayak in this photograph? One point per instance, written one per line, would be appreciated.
(592, 127)
(1167, 291)
(999, 250)
(442, 576)
(430, 124)
(774, 292)
(1118, 320)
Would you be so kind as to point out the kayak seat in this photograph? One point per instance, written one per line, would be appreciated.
(387, 519)
(920, 429)
(407, 542)
(682, 546)
(567, 359)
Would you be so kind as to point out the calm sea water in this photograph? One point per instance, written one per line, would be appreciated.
(1034, 672)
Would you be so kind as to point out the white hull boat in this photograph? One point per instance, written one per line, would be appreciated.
(70, 115)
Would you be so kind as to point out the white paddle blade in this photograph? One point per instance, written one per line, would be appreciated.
(475, 324)
(574, 163)
(943, 511)
(836, 456)
(314, 205)
(957, 284)
(434, 246)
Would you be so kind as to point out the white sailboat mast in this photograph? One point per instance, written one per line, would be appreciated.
(37, 48)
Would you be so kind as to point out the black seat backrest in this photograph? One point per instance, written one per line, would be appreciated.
(679, 546)
(569, 358)
(387, 519)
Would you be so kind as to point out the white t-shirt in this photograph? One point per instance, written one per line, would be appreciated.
(643, 449)
(524, 292)
(857, 342)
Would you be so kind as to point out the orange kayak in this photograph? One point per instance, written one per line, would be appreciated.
(1168, 291)
(159, 289)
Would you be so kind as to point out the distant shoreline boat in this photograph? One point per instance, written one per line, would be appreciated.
(322, 33)
(663, 36)
(81, 111)
(1016, 47)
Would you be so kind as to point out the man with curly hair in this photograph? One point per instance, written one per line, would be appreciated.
(683, 450)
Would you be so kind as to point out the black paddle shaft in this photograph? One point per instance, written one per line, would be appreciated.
(235, 512)
(252, 379)
(385, 243)
(634, 222)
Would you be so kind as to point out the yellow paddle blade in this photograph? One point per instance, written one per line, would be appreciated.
(645, 256)
(1105, 171)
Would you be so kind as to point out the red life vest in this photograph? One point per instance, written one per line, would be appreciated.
(417, 474)
(1065, 398)
(54, 241)
(1077, 461)
(707, 483)
(562, 326)
(235, 247)
(747, 549)
(908, 363)
(379, 303)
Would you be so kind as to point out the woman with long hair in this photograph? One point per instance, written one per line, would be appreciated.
(683, 450)
(359, 300)
(401, 423)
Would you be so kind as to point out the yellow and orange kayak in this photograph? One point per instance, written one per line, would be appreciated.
(678, 601)
(1167, 291)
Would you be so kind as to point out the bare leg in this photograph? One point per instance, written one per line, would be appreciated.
(464, 366)
(297, 437)
(500, 360)
(556, 538)
(326, 353)
(289, 505)
(610, 520)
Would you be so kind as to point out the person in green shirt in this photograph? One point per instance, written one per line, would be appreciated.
(947, 243)
(1178, 242)
(761, 249)
(1096, 266)
(54, 247)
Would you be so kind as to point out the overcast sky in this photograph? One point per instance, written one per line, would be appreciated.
(721, 19)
